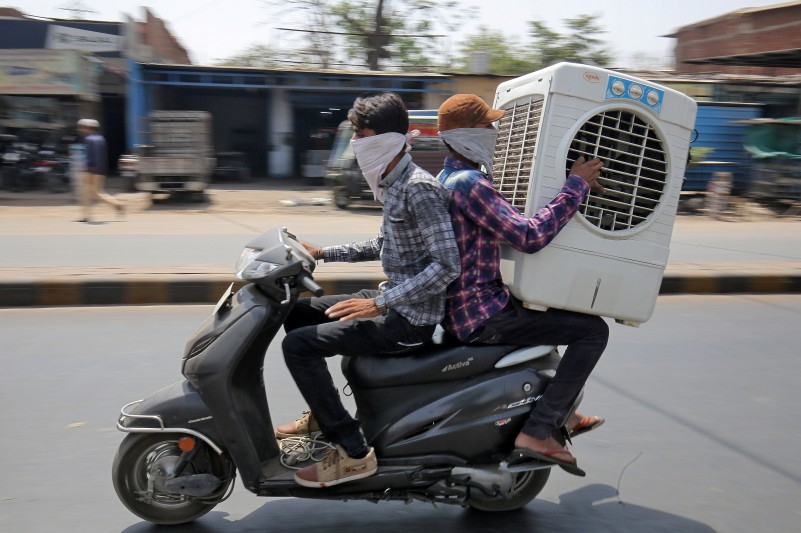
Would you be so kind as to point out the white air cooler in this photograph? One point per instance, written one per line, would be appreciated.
(610, 258)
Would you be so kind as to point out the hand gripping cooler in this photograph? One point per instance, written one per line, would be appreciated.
(610, 258)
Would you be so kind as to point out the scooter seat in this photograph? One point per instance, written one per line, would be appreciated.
(426, 365)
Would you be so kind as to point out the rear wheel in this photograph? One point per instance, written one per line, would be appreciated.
(145, 461)
(244, 174)
(341, 198)
(130, 183)
(525, 487)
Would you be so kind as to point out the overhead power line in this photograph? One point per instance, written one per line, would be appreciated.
(361, 34)
(78, 9)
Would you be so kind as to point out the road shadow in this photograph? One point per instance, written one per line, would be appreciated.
(178, 202)
(365, 208)
(593, 508)
(36, 199)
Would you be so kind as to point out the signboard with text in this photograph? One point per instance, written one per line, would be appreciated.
(48, 72)
(66, 38)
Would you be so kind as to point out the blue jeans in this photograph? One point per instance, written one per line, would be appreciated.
(312, 336)
(585, 337)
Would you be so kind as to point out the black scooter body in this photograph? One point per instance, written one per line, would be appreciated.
(446, 402)
(444, 406)
(441, 405)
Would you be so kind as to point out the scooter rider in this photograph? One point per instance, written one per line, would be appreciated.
(480, 307)
(420, 258)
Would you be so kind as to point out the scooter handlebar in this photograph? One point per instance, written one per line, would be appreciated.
(309, 284)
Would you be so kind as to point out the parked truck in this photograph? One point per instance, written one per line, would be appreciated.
(178, 154)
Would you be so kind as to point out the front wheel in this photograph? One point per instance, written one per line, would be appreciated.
(525, 487)
(144, 461)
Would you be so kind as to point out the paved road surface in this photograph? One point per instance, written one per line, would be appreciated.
(38, 231)
(700, 401)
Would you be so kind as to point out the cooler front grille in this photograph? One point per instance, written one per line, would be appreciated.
(635, 169)
(635, 164)
(514, 151)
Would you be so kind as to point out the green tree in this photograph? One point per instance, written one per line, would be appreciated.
(542, 48)
(581, 45)
(378, 34)
(506, 55)
(320, 43)
(257, 55)
(396, 31)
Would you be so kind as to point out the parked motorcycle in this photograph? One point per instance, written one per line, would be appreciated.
(18, 171)
(442, 420)
(126, 167)
(28, 166)
(52, 168)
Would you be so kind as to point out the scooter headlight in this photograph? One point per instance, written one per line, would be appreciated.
(249, 268)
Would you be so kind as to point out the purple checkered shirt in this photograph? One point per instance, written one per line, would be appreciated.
(482, 218)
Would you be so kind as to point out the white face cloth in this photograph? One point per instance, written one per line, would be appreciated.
(374, 153)
(476, 144)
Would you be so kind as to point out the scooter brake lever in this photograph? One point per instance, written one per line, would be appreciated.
(288, 295)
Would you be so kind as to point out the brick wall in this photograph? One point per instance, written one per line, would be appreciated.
(154, 33)
(10, 12)
(740, 32)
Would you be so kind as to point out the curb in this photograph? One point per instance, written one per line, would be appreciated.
(731, 284)
(137, 291)
(176, 290)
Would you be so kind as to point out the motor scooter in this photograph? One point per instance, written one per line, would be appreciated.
(442, 419)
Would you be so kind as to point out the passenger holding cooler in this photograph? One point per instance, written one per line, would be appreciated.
(480, 307)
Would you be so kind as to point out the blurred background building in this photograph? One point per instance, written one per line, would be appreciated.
(740, 66)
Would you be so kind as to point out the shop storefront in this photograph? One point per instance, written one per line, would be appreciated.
(44, 92)
(283, 122)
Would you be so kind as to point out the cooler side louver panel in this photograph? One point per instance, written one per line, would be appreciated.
(515, 149)
(635, 169)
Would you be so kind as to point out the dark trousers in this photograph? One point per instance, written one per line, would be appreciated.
(312, 336)
(585, 337)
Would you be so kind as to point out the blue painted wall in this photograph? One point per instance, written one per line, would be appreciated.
(718, 132)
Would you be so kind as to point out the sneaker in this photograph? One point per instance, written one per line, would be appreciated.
(305, 425)
(335, 468)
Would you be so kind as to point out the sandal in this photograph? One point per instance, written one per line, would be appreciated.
(570, 467)
(587, 423)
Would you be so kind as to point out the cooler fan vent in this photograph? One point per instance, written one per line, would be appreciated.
(635, 164)
(635, 169)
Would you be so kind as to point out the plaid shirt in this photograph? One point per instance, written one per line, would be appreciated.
(482, 218)
(416, 244)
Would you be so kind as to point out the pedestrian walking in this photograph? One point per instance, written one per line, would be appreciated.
(93, 176)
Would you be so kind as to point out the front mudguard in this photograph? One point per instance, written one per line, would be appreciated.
(177, 408)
